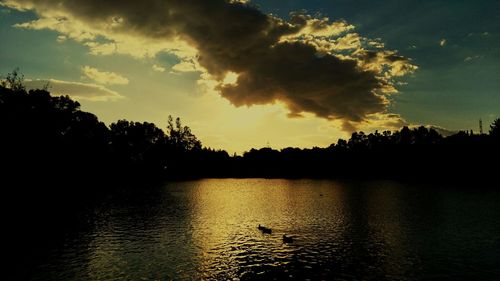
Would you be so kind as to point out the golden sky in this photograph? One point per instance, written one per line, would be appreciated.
(239, 75)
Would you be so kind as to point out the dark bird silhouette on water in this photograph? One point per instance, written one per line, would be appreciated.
(265, 230)
(287, 239)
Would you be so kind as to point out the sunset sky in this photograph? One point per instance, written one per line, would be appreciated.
(285, 73)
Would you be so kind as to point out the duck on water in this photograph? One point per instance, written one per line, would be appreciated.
(287, 239)
(264, 229)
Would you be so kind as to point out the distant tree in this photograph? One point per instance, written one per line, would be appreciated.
(37, 128)
(342, 144)
(495, 128)
(14, 81)
(405, 136)
(180, 136)
(135, 140)
(358, 141)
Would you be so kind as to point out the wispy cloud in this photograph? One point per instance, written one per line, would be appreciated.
(61, 38)
(77, 90)
(471, 58)
(104, 77)
(442, 131)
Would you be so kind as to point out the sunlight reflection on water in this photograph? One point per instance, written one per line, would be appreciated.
(207, 229)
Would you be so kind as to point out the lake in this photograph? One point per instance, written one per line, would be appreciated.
(343, 230)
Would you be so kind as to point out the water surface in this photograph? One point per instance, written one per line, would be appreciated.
(346, 230)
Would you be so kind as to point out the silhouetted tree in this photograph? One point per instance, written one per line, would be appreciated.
(42, 134)
(138, 144)
(14, 81)
(495, 129)
(180, 136)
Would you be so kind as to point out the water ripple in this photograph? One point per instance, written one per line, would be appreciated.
(346, 231)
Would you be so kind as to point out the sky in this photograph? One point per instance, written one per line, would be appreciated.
(243, 74)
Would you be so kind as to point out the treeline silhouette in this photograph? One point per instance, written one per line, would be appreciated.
(50, 138)
(56, 159)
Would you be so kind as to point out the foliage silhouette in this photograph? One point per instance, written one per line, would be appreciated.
(51, 138)
(181, 137)
(495, 129)
(13, 80)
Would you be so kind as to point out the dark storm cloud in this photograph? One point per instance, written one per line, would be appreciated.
(237, 37)
(292, 73)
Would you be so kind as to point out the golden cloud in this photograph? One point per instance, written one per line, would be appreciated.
(104, 77)
(309, 64)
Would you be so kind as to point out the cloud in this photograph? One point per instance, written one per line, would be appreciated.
(442, 131)
(471, 58)
(377, 121)
(77, 90)
(61, 38)
(104, 77)
(90, 33)
(158, 68)
(309, 64)
(378, 61)
(72, 30)
(442, 42)
(310, 26)
(186, 65)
